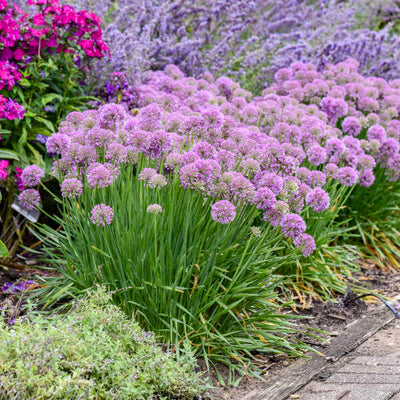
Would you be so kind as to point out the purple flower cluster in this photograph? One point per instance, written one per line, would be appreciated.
(102, 215)
(21, 286)
(32, 175)
(223, 211)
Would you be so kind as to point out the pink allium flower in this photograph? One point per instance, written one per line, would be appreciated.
(71, 187)
(223, 211)
(292, 225)
(29, 198)
(101, 215)
(316, 155)
(347, 176)
(318, 199)
(154, 209)
(366, 178)
(306, 242)
(32, 175)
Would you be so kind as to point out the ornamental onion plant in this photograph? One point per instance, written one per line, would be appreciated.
(171, 232)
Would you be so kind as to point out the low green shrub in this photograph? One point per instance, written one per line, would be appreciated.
(93, 352)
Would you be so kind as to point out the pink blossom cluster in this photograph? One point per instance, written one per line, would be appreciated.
(53, 29)
(362, 111)
(3, 169)
(10, 109)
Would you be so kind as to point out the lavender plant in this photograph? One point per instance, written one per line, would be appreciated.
(247, 40)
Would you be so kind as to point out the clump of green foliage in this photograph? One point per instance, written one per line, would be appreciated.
(93, 352)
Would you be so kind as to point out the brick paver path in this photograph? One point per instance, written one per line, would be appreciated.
(372, 372)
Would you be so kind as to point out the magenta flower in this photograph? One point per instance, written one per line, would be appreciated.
(316, 155)
(292, 225)
(366, 178)
(3, 169)
(101, 175)
(351, 126)
(264, 198)
(347, 176)
(306, 242)
(71, 187)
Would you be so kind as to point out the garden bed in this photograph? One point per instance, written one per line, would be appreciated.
(216, 170)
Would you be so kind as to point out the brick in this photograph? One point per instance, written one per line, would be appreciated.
(333, 391)
(366, 378)
(371, 369)
(389, 360)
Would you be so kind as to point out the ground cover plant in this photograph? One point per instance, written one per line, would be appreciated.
(93, 352)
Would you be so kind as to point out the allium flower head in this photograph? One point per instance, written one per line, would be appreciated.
(157, 181)
(275, 214)
(102, 215)
(101, 175)
(347, 176)
(366, 162)
(57, 143)
(366, 178)
(242, 188)
(99, 137)
(255, 231)
(306, 242)
(334, 147)
(269, 180)
(316, 155)
(223, 211)
(376, 132)
(154, 209)
(331, 170)
(316, 178)
(318, 199)
(32, 175)
(71, 187)
(117, 153)
(111, 115)
(29, 198)
(264, 198)
(292, 225)
(303, 174)
(351, 126)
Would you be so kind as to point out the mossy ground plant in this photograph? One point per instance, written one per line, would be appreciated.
(92, 352)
